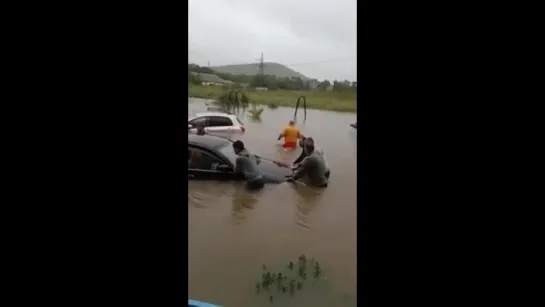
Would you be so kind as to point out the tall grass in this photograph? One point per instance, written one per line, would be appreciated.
(333, 101)
(255, 112)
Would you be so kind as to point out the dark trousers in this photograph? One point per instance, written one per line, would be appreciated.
(255, 184)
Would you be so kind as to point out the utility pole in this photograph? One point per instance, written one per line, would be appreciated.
(261, 74)
(260, 77)
(261, 66)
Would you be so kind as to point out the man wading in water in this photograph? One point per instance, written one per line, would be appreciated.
(290, 134)
(303, 155)
(313, 166)
(246, 164)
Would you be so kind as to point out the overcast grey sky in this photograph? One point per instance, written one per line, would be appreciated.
(314, 37)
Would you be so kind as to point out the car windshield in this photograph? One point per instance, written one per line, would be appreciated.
(228, 151)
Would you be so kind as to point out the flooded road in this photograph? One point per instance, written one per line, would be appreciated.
(232, 232)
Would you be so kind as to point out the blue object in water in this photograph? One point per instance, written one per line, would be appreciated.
(194, 303)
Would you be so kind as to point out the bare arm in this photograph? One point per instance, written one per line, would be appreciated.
(281, 135)
(300, 158)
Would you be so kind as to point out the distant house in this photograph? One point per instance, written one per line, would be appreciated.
(209, 79)
(313, 83)
(261, 89)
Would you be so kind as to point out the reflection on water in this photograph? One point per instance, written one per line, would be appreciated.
(232, 231)
(307, 198)
(243, 200)
(286, 155)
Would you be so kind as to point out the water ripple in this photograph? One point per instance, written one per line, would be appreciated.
(233, 231)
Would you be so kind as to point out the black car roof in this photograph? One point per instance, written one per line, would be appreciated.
(208, 141)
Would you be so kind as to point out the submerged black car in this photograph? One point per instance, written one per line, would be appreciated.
(212, 157)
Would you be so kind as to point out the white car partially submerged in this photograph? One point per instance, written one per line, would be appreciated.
(216, 123)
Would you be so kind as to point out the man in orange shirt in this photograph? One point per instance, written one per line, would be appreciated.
(290, 134)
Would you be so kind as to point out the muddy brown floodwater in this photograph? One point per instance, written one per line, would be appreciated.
(232, 233)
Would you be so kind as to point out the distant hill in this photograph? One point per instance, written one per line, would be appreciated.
(276, 69)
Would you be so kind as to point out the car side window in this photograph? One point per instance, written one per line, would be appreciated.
(202, 160)
(218, 121)
(200, 121)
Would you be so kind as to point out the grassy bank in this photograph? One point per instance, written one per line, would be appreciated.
(332, 101)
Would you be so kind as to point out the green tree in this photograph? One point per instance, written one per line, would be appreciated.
(324, 85)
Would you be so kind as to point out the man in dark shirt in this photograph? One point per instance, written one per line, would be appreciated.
(246, 164)
(303, 155)
(313, 166)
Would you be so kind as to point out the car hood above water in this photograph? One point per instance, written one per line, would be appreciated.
(274, 170)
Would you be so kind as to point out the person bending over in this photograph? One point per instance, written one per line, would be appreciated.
(313, 166)
(297, 163)
(246, 164)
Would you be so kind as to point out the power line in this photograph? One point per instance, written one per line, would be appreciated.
(301, 63)
(261, 66)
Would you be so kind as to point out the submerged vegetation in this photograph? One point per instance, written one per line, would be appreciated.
(255, 112)
(272, 105)
(290, 279)
(332, 101)
(230, 101)
(235, 101)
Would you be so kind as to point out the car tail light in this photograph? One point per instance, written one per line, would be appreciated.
(243, 129)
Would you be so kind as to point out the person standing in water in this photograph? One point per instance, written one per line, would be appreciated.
(290, 134)
(297, 163)
(313, 166)
(246, 164)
